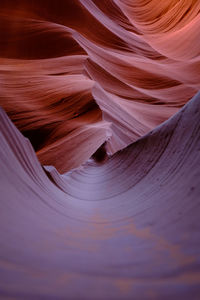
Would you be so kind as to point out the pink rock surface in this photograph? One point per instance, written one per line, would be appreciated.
(99, 149)
(125, 229)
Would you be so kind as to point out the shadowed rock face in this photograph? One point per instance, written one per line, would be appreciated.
(99, 149)
(128, 227)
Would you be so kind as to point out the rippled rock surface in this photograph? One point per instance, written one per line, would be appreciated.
(99, 149)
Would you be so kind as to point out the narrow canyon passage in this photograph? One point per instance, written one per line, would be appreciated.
(99, 149)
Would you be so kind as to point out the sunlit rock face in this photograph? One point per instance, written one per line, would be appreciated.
(100, 149)
(76, 74)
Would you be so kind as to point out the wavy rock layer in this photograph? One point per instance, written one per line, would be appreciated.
(105, 71)
(99, 91)
(125, 229)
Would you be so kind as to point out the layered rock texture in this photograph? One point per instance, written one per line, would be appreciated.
(100, 149)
